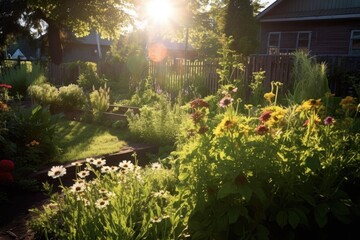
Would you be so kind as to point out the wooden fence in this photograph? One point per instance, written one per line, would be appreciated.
(175, 74)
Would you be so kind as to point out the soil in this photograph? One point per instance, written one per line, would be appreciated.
(14, 213)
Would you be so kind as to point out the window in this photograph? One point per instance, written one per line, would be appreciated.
(273, 45)
(303, 41)
(355, 42)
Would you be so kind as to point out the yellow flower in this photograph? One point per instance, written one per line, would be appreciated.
(310, 104)
(226, 124)
(348, 102)
(269, 96)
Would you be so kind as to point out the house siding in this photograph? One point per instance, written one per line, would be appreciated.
(327, 37)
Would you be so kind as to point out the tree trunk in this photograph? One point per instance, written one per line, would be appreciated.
(55, 48)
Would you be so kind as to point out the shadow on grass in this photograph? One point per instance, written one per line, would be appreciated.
(78, 140)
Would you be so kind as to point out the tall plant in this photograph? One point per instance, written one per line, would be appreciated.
(310, 81)
(100, 101)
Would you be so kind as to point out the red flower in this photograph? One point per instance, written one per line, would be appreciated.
(4, 85)
(306, 122)
(6, 177)
(265, 116)
(198, 103)
(6, 165)
(262, 129)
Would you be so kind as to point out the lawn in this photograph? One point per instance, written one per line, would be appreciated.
(78, 140)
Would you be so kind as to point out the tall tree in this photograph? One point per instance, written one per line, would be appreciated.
(240, 23)
(79, 17)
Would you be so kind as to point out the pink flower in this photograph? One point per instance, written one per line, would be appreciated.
(6, 177)
(4, 85)
(6, 165)
(329, 120)
(225, 101)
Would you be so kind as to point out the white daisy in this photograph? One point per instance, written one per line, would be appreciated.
(126, 165)
(99, 162)
(57, 171)
(77, 187)
(156, 166)
(90, 160)
(160, 194)
(101, 203)
(83, 173)
(114, 168)
(76, 164)
(156, 219)
(105, 169)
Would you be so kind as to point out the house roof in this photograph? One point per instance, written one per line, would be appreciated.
(300, 10)
(91, 40)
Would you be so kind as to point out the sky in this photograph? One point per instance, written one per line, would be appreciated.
(268, 2)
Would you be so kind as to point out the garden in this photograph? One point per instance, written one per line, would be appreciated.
(232, 165)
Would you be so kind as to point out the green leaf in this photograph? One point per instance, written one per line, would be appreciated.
(320, 213)
(340, 211)
(262, 233)
(183, 176)
(245, 191)
(313, 163)
(227, 189)
(294, 219)
(282, 218)
(233, 215)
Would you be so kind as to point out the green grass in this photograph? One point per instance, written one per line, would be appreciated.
(79, 140)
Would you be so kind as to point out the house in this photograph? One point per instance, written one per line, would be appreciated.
(322, 27)
(91, 48)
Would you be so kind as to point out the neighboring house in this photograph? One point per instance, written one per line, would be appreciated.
(175, 50)
(91, 48)
(322, 27)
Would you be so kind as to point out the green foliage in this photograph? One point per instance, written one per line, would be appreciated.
(244, 34)
(125, 202)
(310, 81)
(71, 97)
(99, 101)
(89, 77)
(256, 87)
(65, 98)
(27, 136)
(20, 78)
(156, 122)
(253, 177)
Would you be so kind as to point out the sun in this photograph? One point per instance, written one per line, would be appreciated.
(159, 10)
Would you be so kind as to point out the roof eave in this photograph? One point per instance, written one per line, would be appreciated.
(329, 17)
(266, 10)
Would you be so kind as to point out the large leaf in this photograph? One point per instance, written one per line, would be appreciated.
(320, 213)
(282, 218)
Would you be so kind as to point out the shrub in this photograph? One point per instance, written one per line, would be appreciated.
(71, 97)
(89, 77)
(44, 94)
(158, 123)
(27, 136)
